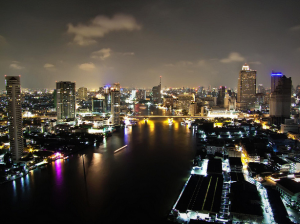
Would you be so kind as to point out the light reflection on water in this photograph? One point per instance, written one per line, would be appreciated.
(123, 187)
(58, 172)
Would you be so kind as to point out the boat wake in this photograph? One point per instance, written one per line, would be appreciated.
(118, 150)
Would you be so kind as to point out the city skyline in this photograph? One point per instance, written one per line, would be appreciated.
(195, 43)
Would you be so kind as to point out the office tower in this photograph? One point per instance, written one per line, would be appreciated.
(156, 93)
(229, 101)
(280, 100)
(200, 91)
(13, 88)
(65, 100)
(117, 86)
(298, 90)
(221, 95)
(82, 93)
(141, 94)
(246, 89)
(107, 99)
(98, 105)
(275, 77)
(261, 89)
(115, 106)
(192, 108)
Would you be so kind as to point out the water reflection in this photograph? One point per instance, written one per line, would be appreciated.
(151, 125)
(127, 134)
(58, 172)
(176, 125)
(156, 161)
(97, 157)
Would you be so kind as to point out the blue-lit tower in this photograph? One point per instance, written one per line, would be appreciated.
(275, 77)
(280, 99)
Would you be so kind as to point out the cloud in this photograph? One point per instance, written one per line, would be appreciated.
(295, 28)
(127, 53)
(2, 40)
(169, 65)
(233, 57)
(101, 54)
(47, 65)
(298, 49)
(255, 63)
(185, 63)
(100, 26)
(15, 65)
(201, 63)
(87, 66)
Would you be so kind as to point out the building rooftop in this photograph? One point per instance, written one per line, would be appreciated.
(289, 185)
(214, 166)
(237, 176)
(202, 194)
(245, 199)
(235, 161)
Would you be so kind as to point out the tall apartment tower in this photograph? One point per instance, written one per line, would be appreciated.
(115, 106)
(82, 93)
(280, 100)
(65, 100)
(156, 93)
(13, 88)
(246, 89)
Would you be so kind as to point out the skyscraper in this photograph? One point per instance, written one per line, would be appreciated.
(115, 106)
(246, 89)
(82, 93)
(221, 96)
(13, 88)
(275, 77)
(280, 100)
(65, 100)
(156, 93)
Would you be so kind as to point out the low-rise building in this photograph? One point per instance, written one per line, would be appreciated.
(290, 190)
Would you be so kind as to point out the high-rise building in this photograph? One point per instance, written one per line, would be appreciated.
(65, 91)
(275, 77)
(280, 100)
(156, 93)
(98, 105)
(115, 106)
(261, 89)
(13, 88)
(82, 93)
(221, 96)
(246, 89)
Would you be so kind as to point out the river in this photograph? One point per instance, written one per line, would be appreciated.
(138, 184)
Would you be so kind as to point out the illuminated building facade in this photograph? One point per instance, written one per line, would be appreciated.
(280, 100)
(13, 88)
(82, 93)
(65, 100)
(246, 94)
(115, 106)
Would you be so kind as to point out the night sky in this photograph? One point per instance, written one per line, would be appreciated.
(187, 42)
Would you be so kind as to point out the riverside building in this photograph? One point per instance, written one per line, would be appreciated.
(13, 88)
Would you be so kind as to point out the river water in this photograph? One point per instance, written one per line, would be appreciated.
(138, 184)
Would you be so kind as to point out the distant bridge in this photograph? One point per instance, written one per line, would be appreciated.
(166, 116)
